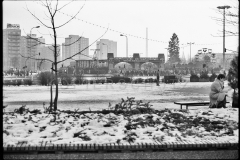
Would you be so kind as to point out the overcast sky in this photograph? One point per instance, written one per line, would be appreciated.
(191, 20)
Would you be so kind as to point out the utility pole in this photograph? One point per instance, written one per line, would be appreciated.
(183, 56)
(190, 43)
(223, 7)
(146, 42)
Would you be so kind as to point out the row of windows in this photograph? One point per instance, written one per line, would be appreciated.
(13, 48)
(13, 36)
(10, 51)
(14, 44)
(15, 33)
(13, 40)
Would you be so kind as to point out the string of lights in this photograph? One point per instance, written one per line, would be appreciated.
(126, 33)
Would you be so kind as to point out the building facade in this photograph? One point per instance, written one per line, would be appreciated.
(75, 44)
(105, 46)
(228, 58)
(11, 47)
(47, 52)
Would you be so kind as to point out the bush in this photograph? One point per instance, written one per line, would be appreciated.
(149, 80)
(233, 80)
(212, 77)
(109, 80)
(98, 81)
(19, 82)
(85, 81)
(138, 80)
(77, 81)
(91, 81)
(66, 79)
(8, 82)
(235, 99)
(27, 82)
(81, 81)
(204, 76)
(194, 78)
(45, 78)
(170, 79)
(118, 79)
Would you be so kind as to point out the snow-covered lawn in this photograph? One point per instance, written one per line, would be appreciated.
(163, 125)
(98, 96)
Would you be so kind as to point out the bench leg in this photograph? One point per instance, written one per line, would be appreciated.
(187, 107)
(181, 106)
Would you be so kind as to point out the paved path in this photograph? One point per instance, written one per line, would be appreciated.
(218, 154)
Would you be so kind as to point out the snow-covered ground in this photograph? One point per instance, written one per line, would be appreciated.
(111, 128)
(91, 127)
(98, 96)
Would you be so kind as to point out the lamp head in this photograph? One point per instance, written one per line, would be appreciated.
(37, 27)
(223, 7)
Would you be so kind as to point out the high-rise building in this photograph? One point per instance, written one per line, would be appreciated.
(47, 52)
(11, 47)
(29, 49)
(30, 44)
(41, 42)
(75, 44)
(23, 51)
(105, 46)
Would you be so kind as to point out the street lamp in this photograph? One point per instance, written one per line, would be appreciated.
(126, 44)
(31, 43)
(223, 7)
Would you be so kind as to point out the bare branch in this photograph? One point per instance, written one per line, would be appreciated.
(71, 18)
(31, 57)
(38, 19)
(55, 10)
(65, 5)
(46, 16)
(73, 42)
(80, 52)
(50, 49)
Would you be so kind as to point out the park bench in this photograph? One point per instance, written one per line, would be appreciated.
(193, 103)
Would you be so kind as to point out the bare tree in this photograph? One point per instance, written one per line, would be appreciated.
(53, 8)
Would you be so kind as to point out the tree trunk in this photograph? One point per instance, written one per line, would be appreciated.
(56, 94)
(55, 65)
(51, 92)
(51, 96)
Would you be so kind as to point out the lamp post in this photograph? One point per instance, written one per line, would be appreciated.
(31, 43)
(223, 7)
(126, 44)
(190, 43)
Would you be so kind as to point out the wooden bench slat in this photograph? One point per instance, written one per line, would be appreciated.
(193, 103)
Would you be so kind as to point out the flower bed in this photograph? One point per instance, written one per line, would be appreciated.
(126, 122)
